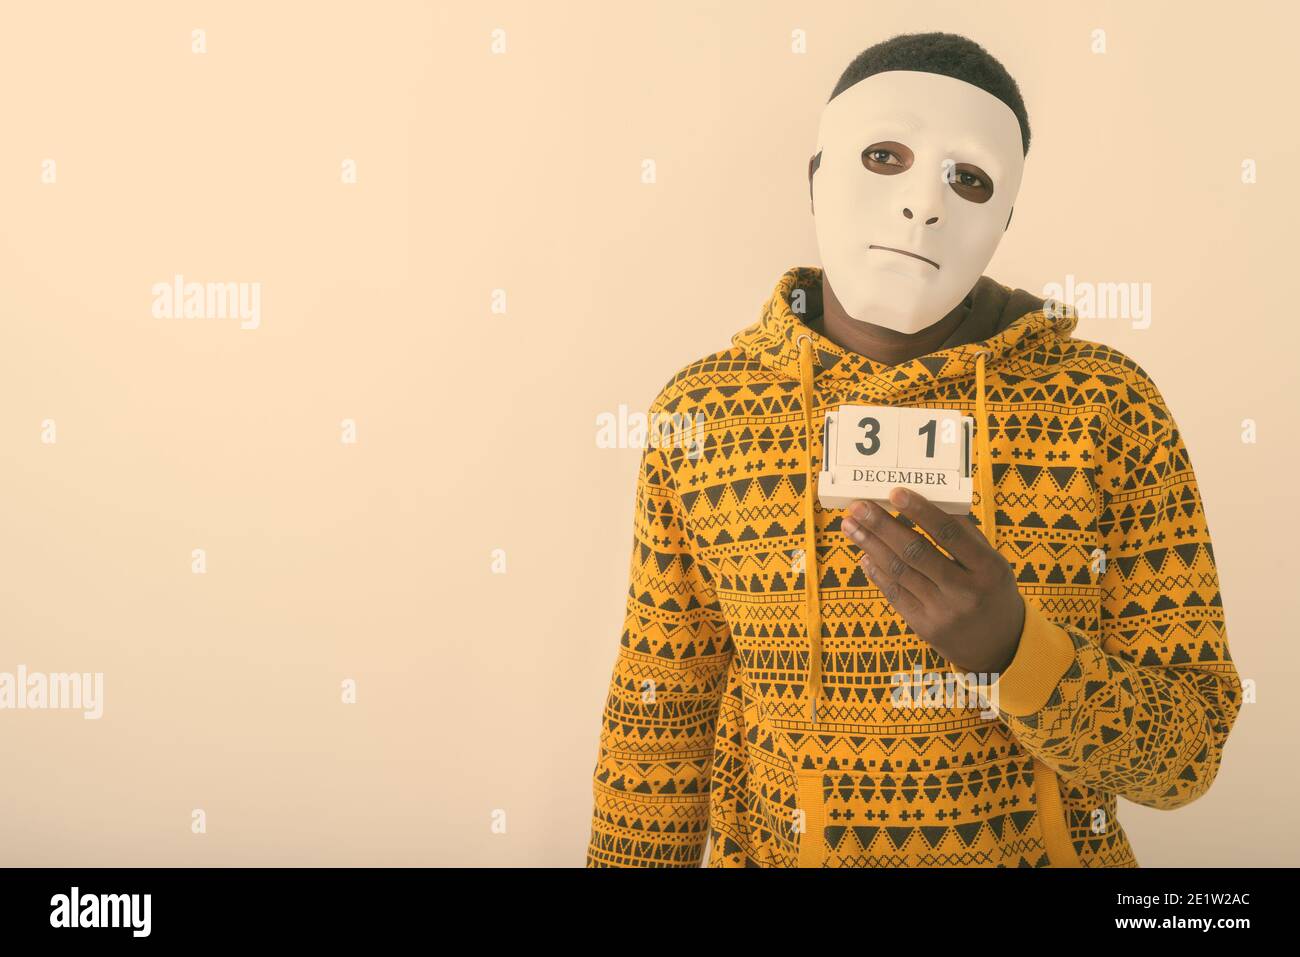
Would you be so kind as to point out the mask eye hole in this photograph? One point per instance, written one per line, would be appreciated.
(887, 158)
(971, 183)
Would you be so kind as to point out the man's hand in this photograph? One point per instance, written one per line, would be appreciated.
(966, 607)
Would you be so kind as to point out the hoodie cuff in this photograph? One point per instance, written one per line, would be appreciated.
(1045, 654)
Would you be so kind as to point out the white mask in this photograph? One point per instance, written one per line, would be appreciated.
(928, 209)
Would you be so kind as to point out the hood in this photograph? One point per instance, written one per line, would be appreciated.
(1000, 324)
(999, 320)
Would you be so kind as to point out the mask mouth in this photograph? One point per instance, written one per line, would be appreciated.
(904, 252)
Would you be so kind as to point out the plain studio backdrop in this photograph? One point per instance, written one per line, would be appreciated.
(387, 174)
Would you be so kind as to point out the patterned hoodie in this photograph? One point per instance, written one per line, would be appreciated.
(754, 696)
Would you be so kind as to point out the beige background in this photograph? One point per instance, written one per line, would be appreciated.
(476, 431)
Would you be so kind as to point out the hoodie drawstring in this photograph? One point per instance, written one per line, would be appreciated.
(984, 484)
(813, 608)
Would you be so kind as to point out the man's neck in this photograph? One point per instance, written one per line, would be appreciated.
(879, 343)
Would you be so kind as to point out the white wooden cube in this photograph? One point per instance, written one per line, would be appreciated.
(870, 449)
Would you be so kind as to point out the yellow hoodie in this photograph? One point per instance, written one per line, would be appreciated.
(754, 699)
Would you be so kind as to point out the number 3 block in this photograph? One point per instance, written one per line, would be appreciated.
(869, 449)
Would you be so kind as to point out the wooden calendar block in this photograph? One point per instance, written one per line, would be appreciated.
(870, 449)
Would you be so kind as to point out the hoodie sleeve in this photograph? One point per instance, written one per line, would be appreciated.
(1145, 711)
(651, 782)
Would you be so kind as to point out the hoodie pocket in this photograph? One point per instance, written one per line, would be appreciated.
(1051, 818)
(1053, 832)
(812, 805)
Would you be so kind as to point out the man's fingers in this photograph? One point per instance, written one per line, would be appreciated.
(954, 533)
(889, 566)
(910, 547)
(904, 600)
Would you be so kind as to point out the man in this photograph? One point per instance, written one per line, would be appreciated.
(755, 697)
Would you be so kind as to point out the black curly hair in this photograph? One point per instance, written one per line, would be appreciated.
(948, 54)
